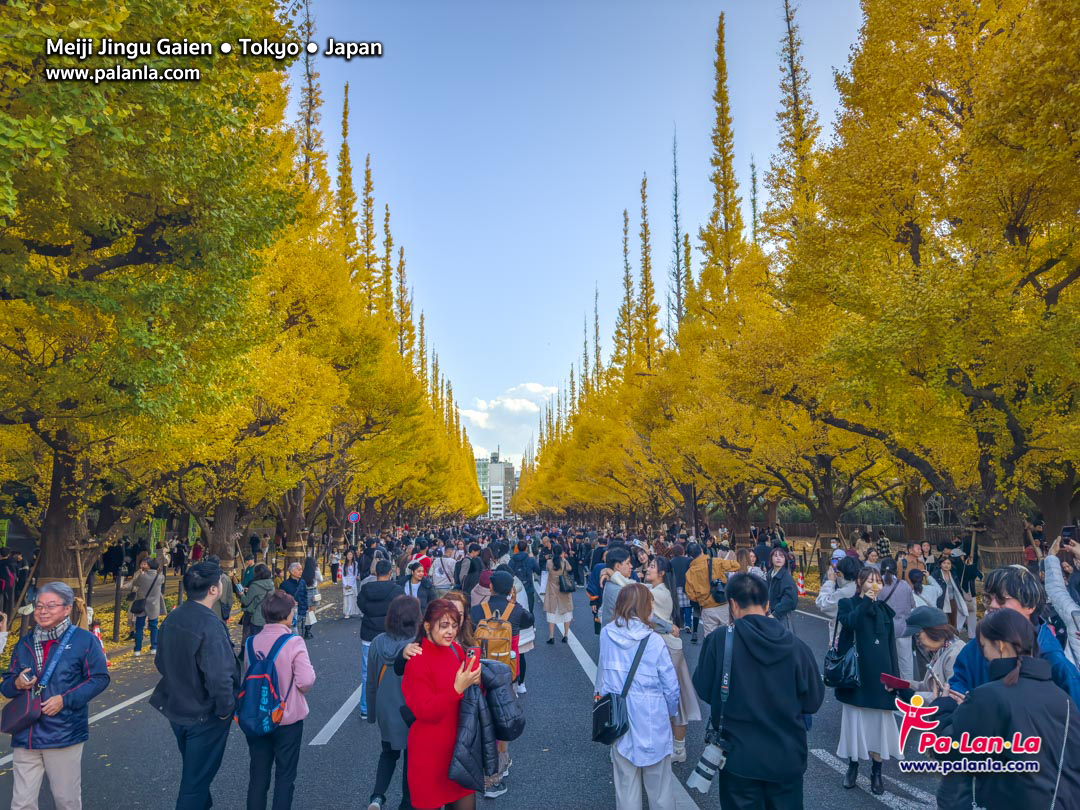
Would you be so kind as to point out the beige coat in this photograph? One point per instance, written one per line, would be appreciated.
(555, 601)
(144, 587)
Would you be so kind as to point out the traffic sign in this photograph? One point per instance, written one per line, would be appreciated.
(354, 517)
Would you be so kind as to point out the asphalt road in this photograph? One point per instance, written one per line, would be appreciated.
(131, 759)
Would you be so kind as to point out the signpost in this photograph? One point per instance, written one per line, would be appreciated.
(354, 518)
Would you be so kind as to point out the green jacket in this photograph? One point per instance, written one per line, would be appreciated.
(253, 598)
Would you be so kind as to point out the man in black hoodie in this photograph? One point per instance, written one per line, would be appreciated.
(774, 682)
(374, 601)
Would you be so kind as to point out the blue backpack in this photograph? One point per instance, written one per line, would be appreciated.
(260, 705)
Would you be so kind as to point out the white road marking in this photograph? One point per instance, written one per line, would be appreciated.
(813, 615)
(100, 715)
(683, 801)
(339, 718)
(888, 799)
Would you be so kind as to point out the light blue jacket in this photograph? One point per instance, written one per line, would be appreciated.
(654, 694)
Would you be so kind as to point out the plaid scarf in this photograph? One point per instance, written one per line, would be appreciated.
(41, 636)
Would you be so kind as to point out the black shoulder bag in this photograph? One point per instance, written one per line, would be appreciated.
(717, 589)
(841, 670)
(610, 717)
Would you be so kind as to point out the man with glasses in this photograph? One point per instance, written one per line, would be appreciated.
(66, 665)
(1013, 587)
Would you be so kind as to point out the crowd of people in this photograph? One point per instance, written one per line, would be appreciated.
(446, 619)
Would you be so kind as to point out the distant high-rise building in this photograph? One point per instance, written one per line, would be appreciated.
(498, 483)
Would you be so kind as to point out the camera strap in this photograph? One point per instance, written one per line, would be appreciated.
(725, 677)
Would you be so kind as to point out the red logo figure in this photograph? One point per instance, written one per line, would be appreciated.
(915, 717)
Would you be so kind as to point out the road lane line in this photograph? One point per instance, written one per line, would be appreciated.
(813, 615)
(339, 718)
(891, 800)
(683, 800)
(99, 716)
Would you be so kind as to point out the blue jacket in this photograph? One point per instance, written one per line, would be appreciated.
(971, 669)
(297, 589)
(80, 676)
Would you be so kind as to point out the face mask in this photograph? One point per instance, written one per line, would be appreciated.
(834, 544)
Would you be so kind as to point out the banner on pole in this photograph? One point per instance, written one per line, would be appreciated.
(157, 534)
(4, 523)
(193, 531)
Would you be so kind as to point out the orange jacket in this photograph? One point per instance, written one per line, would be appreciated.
(697, 578)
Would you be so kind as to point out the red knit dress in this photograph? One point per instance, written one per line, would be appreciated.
(428, 687)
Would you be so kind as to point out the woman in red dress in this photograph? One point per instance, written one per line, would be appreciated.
(435, 679)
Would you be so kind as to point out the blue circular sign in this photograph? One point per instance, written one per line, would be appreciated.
(354, 517)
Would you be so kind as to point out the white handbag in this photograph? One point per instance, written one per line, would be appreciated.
(318, 597)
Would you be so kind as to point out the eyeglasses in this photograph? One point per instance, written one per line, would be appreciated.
(52, 606)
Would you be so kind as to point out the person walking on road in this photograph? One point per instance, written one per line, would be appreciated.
(524, 566)
(558, 605)
(702, 573)
(774, 683)
(783, 595)
(295, 587)
(262, 585)
(148, 591)
(901, 599)
(433, 684)
(417, 584)
(374, 602)
(68, 665)
(199, 680)
(643, 754)
(279, 751)
(350, 572)
(385, 700)
(867, 727)
(659, 578)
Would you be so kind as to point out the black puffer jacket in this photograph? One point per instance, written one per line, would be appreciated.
(507, 713)
(475, 753)
(485, 717)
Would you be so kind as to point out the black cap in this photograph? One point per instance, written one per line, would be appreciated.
(922, 617)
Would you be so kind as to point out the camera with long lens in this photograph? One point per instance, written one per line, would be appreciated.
(713, 759)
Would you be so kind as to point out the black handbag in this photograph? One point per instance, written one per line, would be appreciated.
(610, 716)
(566, 583)
(841, 670)
(717, 589)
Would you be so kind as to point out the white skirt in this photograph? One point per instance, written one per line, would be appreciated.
(865, 730)
(560, 618)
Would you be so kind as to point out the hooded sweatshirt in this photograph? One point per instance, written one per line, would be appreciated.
(653, 698)
(384, 690)
(774, 682)
(374, 602)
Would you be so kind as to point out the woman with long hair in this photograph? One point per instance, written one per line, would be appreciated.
(897, 592)
(783, 594)
(433, 683)
(867, 727)
(1021, 697)
(385, 699)
(659, 578)
(350, 571)
(643, 754)
(558, 606)
(952, 598)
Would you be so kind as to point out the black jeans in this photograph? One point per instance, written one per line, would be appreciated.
(201, 748)
(740, 793)
(279, 750)
(384, 772)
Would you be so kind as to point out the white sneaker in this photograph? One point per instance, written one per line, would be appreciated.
(138, 653)
(521, 690)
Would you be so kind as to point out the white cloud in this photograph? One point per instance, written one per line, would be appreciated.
(536, 389)
(479, 419)
(507, 421)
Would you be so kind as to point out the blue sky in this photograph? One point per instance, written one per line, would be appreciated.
(507, 138)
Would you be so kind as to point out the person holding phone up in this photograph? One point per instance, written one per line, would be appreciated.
(1059, 593)
(436, 677)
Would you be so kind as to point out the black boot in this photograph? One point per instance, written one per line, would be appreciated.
(852, 773)
(877, 784)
